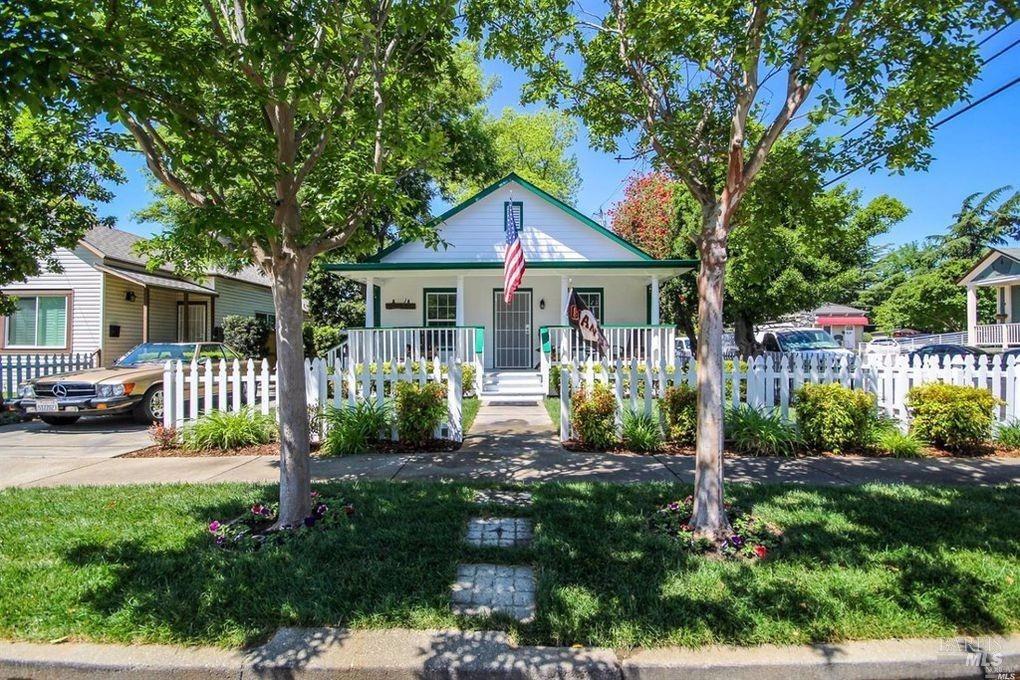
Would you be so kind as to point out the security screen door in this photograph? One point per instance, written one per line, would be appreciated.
(512, 328)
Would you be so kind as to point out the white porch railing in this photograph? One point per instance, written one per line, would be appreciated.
(997, 334)
(18, 368)
(362, 346)
(651, 343)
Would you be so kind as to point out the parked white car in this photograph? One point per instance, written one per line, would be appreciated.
(802, 341)
(884, 345)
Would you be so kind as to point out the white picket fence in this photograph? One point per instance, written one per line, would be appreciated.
(18, 368)
(233, 386)
(769, 383)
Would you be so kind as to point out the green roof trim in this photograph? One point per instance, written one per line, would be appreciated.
(558, 264)
(544, 195)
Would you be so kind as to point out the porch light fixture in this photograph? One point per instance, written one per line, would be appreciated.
(541, 303)
(129, 296)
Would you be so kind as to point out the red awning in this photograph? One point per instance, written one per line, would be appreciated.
(841, 320)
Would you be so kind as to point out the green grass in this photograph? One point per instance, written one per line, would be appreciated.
(468, 411)
(552, 407)
(135, 564)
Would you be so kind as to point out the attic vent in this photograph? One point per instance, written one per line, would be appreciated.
(518, 213)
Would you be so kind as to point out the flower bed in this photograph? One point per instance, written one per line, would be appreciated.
(751, 538)
(251, 531)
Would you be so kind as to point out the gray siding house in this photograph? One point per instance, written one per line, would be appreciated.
(105, 301)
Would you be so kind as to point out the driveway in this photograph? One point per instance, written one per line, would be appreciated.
(34, 450)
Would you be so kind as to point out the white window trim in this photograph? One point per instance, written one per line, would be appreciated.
(67, 321)
(446, 323)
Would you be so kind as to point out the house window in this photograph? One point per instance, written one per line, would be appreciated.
(440, 307)
(592, 297)
(267, 317)
(38, 321)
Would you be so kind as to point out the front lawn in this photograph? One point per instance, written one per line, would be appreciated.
(137, 564)
(552, 407)
(468, 410)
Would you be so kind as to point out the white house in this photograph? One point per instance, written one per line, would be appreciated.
(999, 269)
(423, 302)
(105, 301)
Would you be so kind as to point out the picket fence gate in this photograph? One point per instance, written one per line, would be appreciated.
(16, 369)
(769, 383)
(231, 386)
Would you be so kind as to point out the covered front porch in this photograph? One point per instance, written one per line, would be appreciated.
(1005, 332)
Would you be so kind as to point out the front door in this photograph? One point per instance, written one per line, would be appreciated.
(512, 330)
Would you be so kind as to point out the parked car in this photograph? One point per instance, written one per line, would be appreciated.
(884, 345)
(133, 385)
(803, 341)
(944, 351)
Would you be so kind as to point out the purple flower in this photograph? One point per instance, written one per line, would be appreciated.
(320, 510)
(736, 540)
(674, 506)
(220, 540)
(214, 526)
(310, 521)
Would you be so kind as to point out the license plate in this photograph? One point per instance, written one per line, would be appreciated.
(46, 405)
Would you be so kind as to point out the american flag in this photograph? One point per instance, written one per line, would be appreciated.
(513, 258)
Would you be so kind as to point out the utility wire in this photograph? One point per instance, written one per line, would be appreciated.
(936, 125)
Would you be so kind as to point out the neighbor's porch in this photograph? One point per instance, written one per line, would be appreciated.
(1005, 332)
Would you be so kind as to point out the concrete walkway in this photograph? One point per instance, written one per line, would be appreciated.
(388, 654)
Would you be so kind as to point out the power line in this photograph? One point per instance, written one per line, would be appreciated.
(936, 125)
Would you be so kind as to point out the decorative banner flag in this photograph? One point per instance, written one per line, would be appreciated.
(583, 319)
(513, 259)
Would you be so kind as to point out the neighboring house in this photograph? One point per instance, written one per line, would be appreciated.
(417, 297)
(844, 323)
(106, 301)
(998, 269)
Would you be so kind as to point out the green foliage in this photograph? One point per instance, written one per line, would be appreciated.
(420, 410)
(223, 430)
(888, 438)
(247, 335)
(1008, 435)
(760, 433)
(333, 300)
(55, 167)
(641, 431)
(834, 418)
(953, 417)
(355, 428)
(679, 408)
(593, 416)
(554, 380)
(325, 338)
(467, 379)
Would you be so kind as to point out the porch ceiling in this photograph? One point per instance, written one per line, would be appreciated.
(664, 268)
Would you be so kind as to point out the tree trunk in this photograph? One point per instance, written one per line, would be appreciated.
(292, 406)
(709, 518)
(743, 332)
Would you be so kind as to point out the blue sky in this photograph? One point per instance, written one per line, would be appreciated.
(976, 152)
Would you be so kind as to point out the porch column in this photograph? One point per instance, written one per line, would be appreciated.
(972, 315)
(187, 318)
(655, 301)
(460, 300)
(369, 302)
(145, 315)
(564, 291)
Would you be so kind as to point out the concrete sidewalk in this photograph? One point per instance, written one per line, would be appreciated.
(390, 654)
(495, 464)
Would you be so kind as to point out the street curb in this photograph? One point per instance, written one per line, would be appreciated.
(398, 654)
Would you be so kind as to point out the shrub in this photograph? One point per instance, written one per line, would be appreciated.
(247, 335)
(1009, 435)
(164, 438)
(224, 430)
(954, 417)
(420, 410)
(641, 431)
(835, 418)
(679, 407)
(760, 433)
(353, 429)
(467, 379)
(554, 380)
(325, 338)
(888, 438)
(593, 416)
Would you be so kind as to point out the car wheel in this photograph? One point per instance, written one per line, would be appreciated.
(59, 420)
(150, 408)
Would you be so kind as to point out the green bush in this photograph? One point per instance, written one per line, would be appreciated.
(679, 407)
(760, 433)
(888, 438)
(223, 430)
(554, 380)
(835, 418)
(467, 379)
(1009, 435)
(325, 338)
(593, 416)
(355, 428)
(420, 410)
(954, 417)
(641, 431)
(247, 335)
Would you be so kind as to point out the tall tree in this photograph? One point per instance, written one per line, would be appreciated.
(55, 168)
(283, 127)
(689, 78)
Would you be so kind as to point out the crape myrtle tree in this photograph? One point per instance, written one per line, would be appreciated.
(282, 126)
(709, 87)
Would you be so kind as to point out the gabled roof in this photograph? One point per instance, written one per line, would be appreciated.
(544, 195)
(838, 310)
(986, 259)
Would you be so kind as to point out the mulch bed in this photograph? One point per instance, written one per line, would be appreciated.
(435, 446)
(990, 450)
